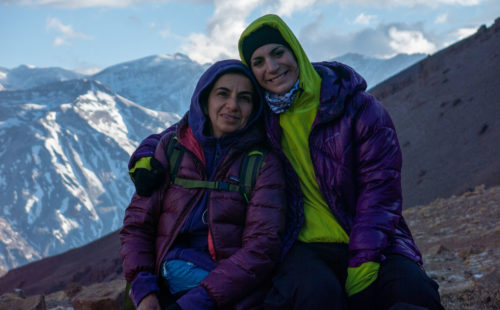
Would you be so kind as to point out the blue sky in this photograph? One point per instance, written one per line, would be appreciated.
(89, 35)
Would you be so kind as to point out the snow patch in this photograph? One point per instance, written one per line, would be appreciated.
(32, 106)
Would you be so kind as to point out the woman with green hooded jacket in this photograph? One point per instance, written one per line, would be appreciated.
(346, 241)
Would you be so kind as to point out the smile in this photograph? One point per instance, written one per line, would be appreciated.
(278, 77)
(230, 118)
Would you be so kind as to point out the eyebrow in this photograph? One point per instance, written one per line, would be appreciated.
(277, 47)
(270, 52)
(240, 93)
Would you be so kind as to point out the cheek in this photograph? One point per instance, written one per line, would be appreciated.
(259, 75)
(246, 111)
(211, 112)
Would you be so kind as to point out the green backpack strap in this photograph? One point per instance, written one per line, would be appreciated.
(174, 156)
(249, 171)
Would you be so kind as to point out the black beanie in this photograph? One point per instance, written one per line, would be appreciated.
(262, 36)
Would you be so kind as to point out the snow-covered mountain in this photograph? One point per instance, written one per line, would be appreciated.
(3, 77)
(159, 82)
(376, 70)
(63, 165)
(26, 77)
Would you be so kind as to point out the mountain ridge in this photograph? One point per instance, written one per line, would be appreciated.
(64, 164)
(447, 116)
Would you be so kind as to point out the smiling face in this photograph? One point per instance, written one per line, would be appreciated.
(275, 68)
(230, 103)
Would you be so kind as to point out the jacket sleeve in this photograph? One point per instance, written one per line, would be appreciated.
(238, 275)
(378, 182)
(138, 233)
(148, 146)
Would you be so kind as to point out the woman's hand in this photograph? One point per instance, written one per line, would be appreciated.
(150, 302)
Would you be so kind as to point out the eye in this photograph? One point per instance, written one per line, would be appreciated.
(256, 62)
(279, 52)
(246, 98)
(222, 93)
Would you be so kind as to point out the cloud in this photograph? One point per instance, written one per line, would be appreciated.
(441, 19)
(383, 40)
(288, 7)
(164, 33)
(223, 31)
(73, 4)
(410, 42)
(283, 7)
(228, 21)
(65, 32)
(363, 19)
(58, 41)
(322, 43)
(463, 33)
(396, 3)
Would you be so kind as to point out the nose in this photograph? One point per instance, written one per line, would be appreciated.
(232, 103)
(271, 65)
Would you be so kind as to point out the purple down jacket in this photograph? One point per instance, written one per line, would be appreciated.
(357, 162)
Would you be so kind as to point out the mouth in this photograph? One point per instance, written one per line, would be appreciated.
(230, 118)
(276, 78)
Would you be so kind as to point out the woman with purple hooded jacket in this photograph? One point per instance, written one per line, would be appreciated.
(213, 248)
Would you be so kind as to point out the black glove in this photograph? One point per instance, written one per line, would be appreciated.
(146, 181)
(173, 306)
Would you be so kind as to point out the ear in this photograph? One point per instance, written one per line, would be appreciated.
(204, 108)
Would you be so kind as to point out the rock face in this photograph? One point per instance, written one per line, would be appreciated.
(447, 115)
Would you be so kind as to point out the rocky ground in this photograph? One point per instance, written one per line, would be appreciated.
(460, 241)
(459, 238)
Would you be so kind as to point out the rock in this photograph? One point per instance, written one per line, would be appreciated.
(14, 301)
(72, 289)
(437, 249)
(58, 301)
(101, 296)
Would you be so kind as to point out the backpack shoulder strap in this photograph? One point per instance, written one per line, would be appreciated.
(249, 171)
(174, 156)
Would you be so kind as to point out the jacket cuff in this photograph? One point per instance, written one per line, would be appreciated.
(143, 285)
(359, 278)
(363, 256)
(196, 299)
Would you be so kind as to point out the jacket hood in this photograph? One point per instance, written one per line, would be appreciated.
(197, 119)
(339, 82)
(309, 80)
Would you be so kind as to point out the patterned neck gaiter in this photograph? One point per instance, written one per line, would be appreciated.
(280, 103)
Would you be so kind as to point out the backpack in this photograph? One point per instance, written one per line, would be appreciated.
(249, 171)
